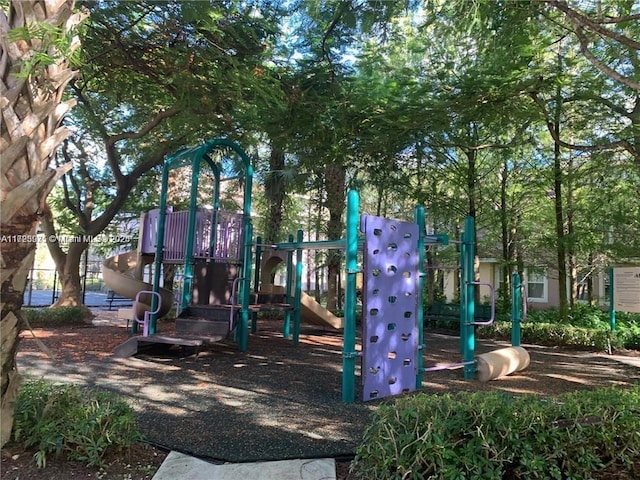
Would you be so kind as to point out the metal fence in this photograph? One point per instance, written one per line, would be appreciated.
(43, 287)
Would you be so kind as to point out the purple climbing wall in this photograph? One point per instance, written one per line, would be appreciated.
(390, 328)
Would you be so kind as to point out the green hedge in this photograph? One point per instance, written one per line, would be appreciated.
(495, 435)
(55, 317)
(587, 328)
(556, 334)
(65, 420)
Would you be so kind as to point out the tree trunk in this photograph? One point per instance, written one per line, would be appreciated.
(431, 277)
(318, 255)
(67, 263)
(507, 244)
(590, 280)
(561, 252)
(571, 245)
(17, 257)
(32, 111)
(472, 181)
(168, 276)
(335, 185)
(275, 192)
(69, 277)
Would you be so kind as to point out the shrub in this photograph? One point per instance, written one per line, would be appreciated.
(588, 328)
(495, 435)
(63, 419)
(555, 334)
(629, 335)
(52, 317)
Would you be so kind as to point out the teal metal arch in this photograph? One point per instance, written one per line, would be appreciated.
(195, 156)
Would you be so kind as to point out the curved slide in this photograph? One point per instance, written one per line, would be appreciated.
(119, 275)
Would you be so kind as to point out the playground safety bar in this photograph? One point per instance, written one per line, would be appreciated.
(232, 300)
(267, 245)
(493, 304)
(317, 245)
(147, 313)
(436, 238)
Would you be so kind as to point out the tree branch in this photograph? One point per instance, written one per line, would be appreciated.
(597, 98)
(608, 71)
(581, 20)
(627, 18)
(617, 145)
(325, 37)
(49, 230)
(77, 207)
(153, 123)
(124, 188)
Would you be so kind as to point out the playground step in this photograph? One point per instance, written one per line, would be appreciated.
(207, 312)
(202, 326)
(134, 345)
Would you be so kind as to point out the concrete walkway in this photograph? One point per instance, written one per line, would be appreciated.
(183, 467)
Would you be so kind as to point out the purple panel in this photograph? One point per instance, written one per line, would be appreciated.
(149, 238)
(228, 230)
(228, 236)
(390, 327)
(175, 234)
(202, 237)
(149, 231)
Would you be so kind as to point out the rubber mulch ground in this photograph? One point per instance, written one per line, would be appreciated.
(276, 401)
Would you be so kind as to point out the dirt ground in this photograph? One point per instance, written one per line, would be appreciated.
(275, 401)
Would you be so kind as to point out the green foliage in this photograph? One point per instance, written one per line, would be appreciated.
(55, 317)
(65, 420)
(629, 335)
(495, 435)
(587, 328)
(556, 334)
(50, 44)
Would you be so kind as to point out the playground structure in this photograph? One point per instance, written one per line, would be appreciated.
(216, 250)
(214, 298)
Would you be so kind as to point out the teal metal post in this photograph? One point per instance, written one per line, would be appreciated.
(245, 288)
(191, 232)
(516, 309)
(297, 300)
(612, 308)
(286, 328)
(420, 220)
(463, 292)
(256, 282)
(468, 307)
(157, 263)
(349, 353)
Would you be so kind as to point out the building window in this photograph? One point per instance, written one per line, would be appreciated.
(536, 286)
